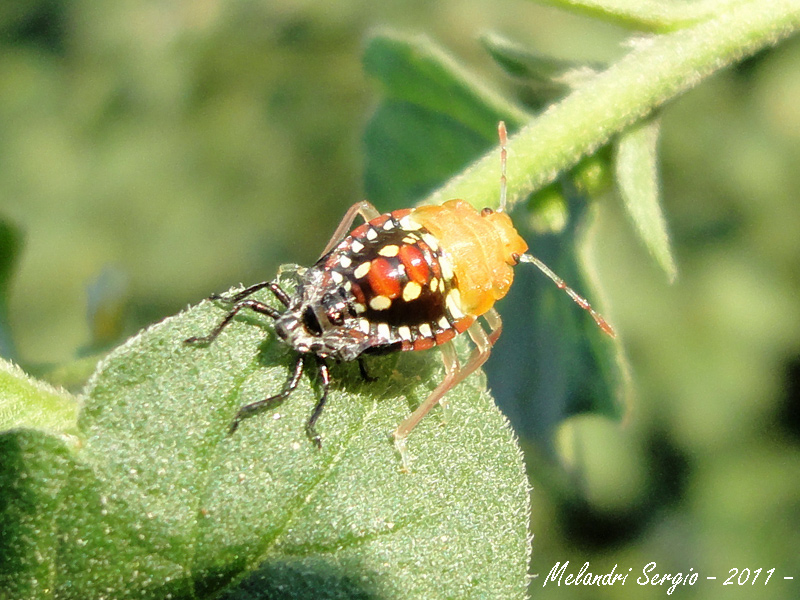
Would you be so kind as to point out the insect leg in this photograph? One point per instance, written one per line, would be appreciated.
(495, 324)
(483, 347)
(363, 208)
(282, 296)
(452, 369)
(239, 296)
(250, 409)
(454, 375)
(253, 305)
(278, 292)
(324, 375)
(362, 368)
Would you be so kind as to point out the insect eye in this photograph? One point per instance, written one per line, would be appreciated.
(311, 322)
(334, 306)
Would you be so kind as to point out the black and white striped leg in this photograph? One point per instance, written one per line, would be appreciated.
(325, 379)
(282, 296)
(249, 410)
(253, 305)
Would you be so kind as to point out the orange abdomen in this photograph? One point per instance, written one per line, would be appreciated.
(482, 246)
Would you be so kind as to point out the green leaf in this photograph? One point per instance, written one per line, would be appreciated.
(637, 178)
(10, 245)
(65, 534)
(435, 118)
(416, 70)
(27, 402)
(548, 77)
(160, 499)
(411, 150)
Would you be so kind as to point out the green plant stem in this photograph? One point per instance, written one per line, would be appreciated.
(646, 15)
(658, 69)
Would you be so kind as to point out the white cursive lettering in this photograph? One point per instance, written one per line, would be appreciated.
(583, 576)
(660, 579)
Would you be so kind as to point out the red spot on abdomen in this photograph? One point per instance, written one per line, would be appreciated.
(413, 260)
(383, 278)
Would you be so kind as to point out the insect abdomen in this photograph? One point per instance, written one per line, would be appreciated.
(399, 284)
(482, 247)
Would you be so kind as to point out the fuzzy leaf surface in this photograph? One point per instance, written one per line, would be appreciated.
(160, 499)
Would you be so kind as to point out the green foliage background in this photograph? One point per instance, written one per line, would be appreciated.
(155, 153)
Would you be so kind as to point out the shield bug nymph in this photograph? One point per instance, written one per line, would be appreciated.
(408, 280)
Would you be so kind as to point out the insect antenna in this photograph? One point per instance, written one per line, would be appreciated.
(579, 300)
(503, 135)
(529, 258)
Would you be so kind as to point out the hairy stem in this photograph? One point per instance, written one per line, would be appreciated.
(656, 70)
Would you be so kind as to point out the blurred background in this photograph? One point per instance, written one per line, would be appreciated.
(152, 153)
